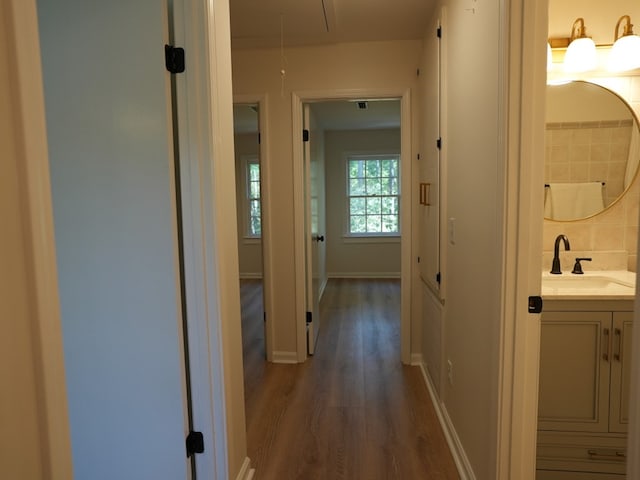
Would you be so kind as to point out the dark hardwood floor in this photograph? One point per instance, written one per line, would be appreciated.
(352, 411)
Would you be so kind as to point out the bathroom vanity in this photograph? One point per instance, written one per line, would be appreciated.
(585, 352)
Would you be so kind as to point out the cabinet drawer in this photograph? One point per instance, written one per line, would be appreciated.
(560, 475)
(581, 453)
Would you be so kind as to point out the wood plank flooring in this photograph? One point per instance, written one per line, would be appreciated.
(352, 411)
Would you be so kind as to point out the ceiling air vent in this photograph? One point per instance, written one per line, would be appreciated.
(363, 105)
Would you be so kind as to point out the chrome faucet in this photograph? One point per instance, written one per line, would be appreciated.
(555, 266)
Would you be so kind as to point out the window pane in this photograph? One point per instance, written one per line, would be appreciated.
(394, 186)
(385, 186)
(373, 168)
(387, 167)
(389, 223)
(390, 205)
(254, 190)
(374, 224)
(358, 224)
(374, 205)
(356, 169)
(357, 206)
(373, 186)
(357, 187)
(255, 208)
(254, 172)
(255, 226)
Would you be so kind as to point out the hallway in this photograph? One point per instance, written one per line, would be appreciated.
(352, 411)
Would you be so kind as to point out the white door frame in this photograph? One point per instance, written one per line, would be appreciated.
(265, 200)
(53, 447)
(216, 353)
(297, 99)
(524, 70)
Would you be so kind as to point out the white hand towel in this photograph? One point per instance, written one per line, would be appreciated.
(570, 201)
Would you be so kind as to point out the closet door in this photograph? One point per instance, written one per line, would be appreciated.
(110, 146)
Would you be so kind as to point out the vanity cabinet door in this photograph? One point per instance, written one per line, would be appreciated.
(574, 371)
(620, 371)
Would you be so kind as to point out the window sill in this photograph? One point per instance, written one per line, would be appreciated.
(371, 238)
(251, 240)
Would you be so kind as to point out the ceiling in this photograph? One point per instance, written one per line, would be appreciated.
(268, 23)
(333, 115)
(297, 23)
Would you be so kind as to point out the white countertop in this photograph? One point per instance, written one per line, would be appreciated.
(604, 285)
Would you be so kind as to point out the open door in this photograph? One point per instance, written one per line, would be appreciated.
(313, 208)
(108, 110)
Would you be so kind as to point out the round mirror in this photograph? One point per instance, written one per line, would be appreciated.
(592, 150)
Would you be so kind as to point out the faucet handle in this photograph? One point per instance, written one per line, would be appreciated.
(577, 268)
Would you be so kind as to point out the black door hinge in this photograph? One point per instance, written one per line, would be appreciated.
(535, 304)
(439, 143)
(264, 317)
(259, 139)
(309, 317)
(438, 277)
(195, 443)
(174, 59)
(439, 32)
(305, 135)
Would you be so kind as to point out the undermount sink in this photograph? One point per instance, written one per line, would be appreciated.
(595, 284)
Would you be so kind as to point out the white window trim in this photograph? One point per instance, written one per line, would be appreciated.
(370, 237)
(248, 237)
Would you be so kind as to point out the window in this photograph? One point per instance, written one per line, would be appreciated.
(254, 227)
(373, 195)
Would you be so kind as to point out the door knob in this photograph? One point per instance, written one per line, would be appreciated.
(320, 238)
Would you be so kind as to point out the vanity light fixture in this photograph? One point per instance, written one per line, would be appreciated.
(581, 52)
(625, 53)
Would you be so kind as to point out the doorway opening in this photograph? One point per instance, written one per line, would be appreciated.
(353, 193)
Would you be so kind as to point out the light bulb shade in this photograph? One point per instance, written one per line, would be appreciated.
(580, 55)
(549, 57)
(625, 54)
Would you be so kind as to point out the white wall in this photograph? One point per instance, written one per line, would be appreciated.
(473, 258)
(249, 249)
(379, 65)
(378, 257)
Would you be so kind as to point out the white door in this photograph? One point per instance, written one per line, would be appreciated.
(312, 235)
(110, 145)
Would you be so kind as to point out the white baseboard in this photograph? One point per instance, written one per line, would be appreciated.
(416, 359)
(455, 445)
(323, 285)
(285, 357)
(364, 275)
(246, 472)
(250, 276)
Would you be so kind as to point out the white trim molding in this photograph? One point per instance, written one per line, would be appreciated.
(250, 275)
(28, 141)
(246, 472)
(285, 357)
(297, 101)
(455, 445)
(371, 275)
